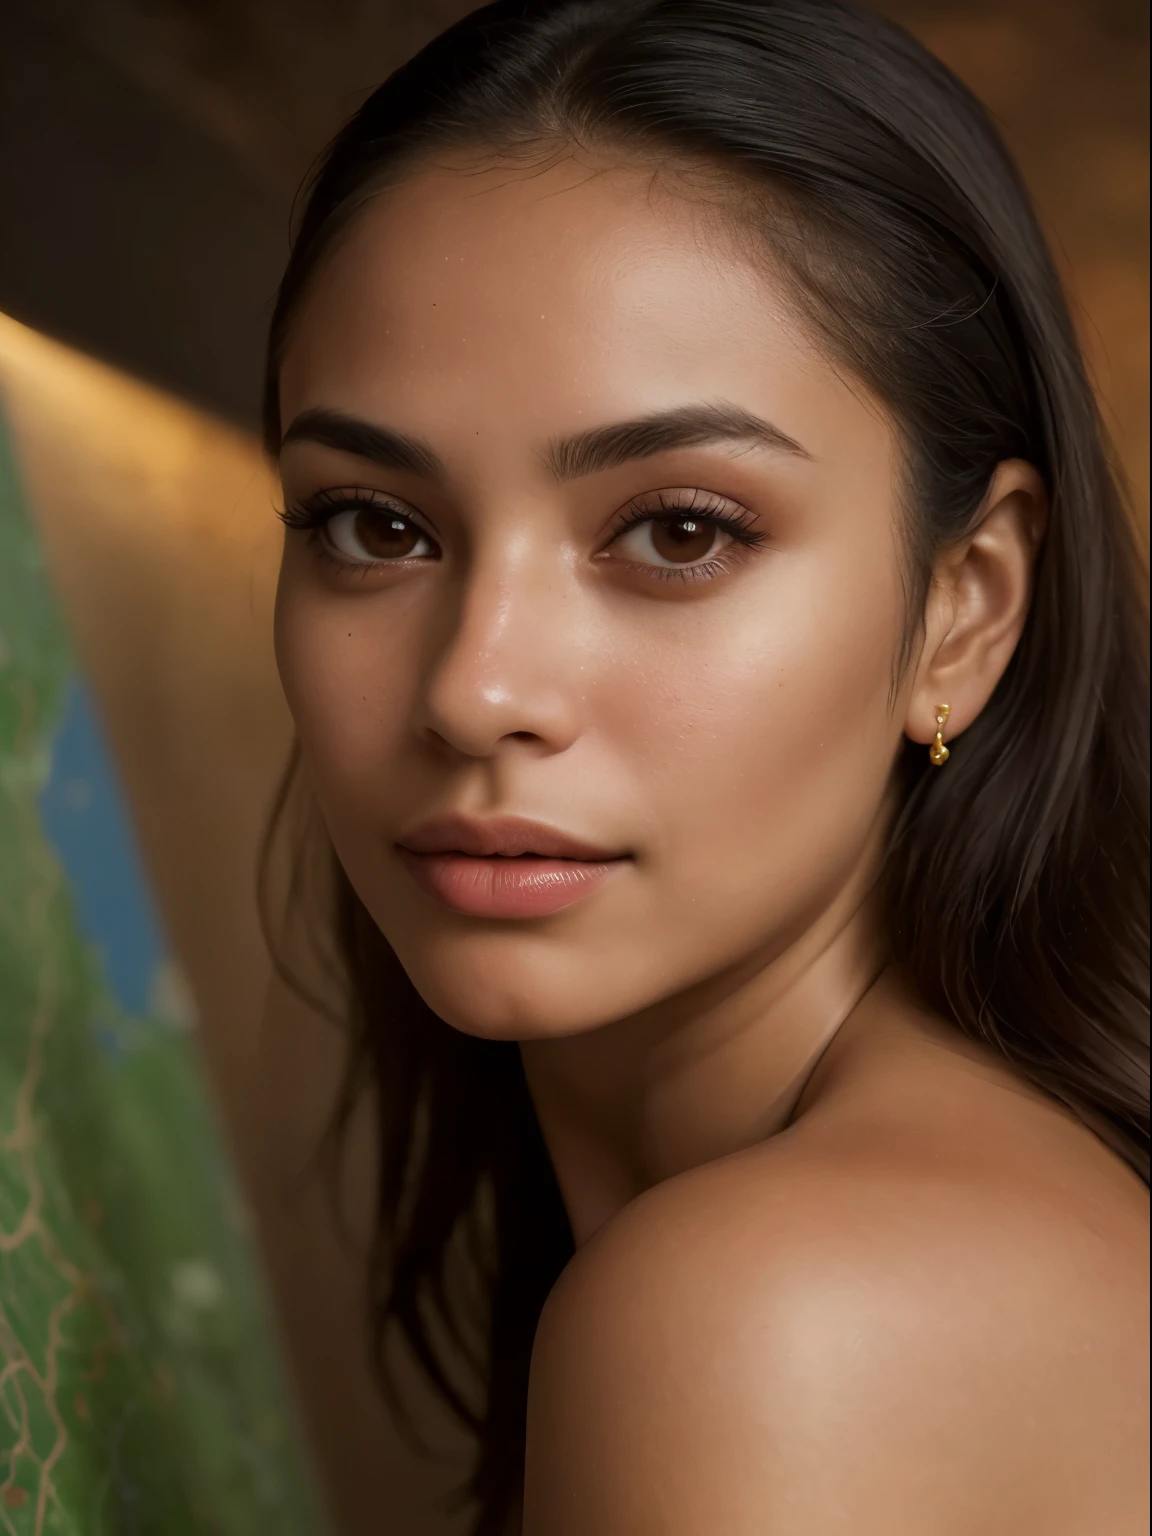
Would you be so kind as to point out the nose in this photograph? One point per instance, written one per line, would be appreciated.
(504, 668)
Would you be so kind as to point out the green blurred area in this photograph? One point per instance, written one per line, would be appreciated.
(140, 1389)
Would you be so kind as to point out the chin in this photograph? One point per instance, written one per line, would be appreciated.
(509, 987)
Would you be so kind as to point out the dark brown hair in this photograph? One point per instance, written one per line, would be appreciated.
(1018, 879)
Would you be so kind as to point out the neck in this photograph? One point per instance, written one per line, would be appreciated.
(710, 1072)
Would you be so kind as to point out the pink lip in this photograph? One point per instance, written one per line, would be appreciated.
(504, 867)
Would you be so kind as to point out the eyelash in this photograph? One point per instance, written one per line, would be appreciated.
(312, 515)
(703, 507)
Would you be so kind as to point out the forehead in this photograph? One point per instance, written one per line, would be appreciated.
(553, 296)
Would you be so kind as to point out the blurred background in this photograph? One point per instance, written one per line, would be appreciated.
(160, 1095)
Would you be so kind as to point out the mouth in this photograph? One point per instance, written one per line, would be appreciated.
(505, 867)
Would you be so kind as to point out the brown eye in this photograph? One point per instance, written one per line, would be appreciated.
(370, 534)
(681, 540)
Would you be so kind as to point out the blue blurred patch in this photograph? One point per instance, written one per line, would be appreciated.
(84, 818)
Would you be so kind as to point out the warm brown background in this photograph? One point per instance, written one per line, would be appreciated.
(149, 150)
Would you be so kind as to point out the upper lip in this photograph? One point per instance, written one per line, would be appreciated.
(499, 836)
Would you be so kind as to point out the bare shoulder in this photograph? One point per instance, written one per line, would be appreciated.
(863, 1329)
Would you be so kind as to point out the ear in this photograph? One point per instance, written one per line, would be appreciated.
(977, 604)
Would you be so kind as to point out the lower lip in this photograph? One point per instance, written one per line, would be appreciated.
(519, 887)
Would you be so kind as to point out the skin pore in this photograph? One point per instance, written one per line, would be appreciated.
(514, 401)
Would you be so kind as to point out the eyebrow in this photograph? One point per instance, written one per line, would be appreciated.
(686, 426)
(348, 434)
(567, 458)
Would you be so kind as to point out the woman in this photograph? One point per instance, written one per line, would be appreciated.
(715, 644)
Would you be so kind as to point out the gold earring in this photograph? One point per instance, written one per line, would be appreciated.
(938, 753)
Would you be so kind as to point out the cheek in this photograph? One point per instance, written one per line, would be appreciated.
(349, 678)
(765, 737)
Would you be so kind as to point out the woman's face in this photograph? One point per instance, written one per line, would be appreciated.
(590, 642)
